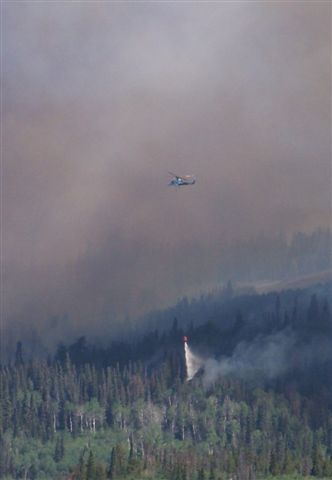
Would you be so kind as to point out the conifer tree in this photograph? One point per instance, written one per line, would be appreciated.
(317, 461)
(59, 449)
(201, 474)
(90, 467)
(19, 355)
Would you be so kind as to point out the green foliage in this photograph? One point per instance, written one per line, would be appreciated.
(132, 422)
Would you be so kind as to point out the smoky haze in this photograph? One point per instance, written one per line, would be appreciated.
(101, 100)
(264, 357)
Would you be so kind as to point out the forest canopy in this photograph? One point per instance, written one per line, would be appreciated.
(125, 410)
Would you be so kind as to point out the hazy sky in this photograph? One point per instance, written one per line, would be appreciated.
(101, 100)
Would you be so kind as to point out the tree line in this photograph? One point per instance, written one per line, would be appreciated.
(127, 411)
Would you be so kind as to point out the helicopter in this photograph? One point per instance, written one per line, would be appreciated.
(179, 181)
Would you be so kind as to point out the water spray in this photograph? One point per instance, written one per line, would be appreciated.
(193, 363)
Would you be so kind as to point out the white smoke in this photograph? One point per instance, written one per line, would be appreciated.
(264, 357)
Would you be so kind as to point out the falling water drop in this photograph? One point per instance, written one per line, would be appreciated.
(193, 363)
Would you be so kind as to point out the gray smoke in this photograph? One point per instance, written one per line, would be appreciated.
(265, 356)
(102, 99)
(268, 357)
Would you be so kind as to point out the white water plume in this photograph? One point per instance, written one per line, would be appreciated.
(193, 363)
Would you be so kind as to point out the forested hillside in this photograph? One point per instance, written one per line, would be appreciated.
(126, 411)
(258, 264)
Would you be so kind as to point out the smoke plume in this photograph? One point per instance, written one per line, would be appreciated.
(102, 99)
(264, 357)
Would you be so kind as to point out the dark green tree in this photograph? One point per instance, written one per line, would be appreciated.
(19, 354)
(59, 450)
(91, 467)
